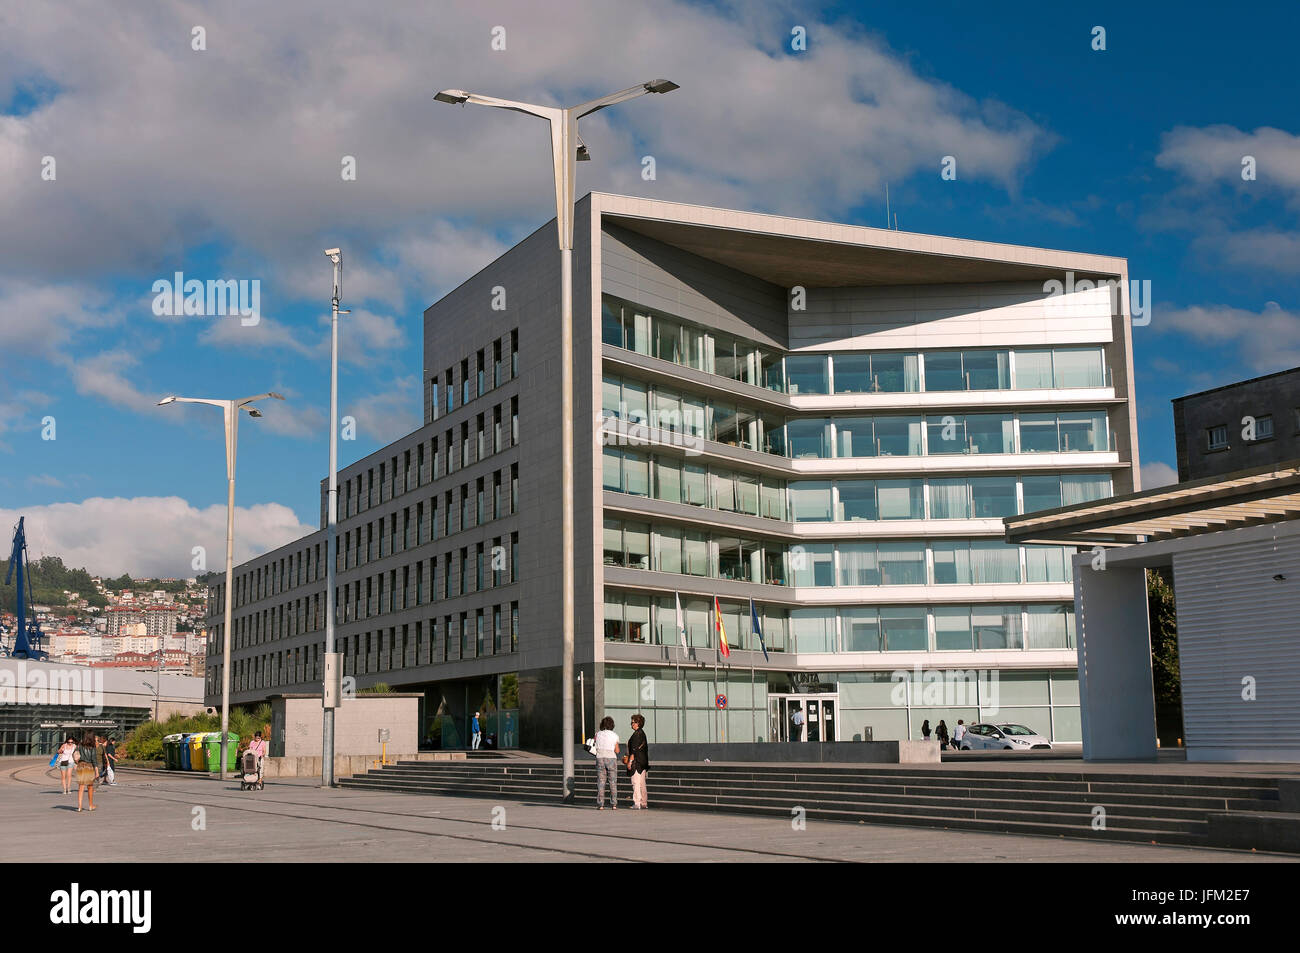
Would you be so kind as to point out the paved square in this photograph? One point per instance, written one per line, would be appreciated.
(153, 817)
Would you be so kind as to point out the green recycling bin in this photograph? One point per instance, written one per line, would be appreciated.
(212, 744)
(172, 752)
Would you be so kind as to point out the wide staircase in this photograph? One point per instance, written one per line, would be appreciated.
(1167, 809)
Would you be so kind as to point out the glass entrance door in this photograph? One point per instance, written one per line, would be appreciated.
(797, 718)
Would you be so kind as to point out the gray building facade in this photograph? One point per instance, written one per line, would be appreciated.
(815, 426)
(1251, 423)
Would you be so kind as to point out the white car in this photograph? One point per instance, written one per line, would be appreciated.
(1003, 737)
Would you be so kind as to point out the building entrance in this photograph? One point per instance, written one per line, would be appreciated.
(803, 717)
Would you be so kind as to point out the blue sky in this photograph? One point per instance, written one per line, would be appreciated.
(223, 162)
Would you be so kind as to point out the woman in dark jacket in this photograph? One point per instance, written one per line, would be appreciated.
(638, 762)
(941, 735)
(925, 729)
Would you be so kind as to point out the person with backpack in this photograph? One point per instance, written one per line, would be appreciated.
(941, 735)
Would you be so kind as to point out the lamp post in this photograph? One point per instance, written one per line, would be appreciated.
(566, 149)
(329, 696)
(230, 410)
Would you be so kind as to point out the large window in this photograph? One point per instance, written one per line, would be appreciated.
(808, 438)
(807, 374)
(810, 502)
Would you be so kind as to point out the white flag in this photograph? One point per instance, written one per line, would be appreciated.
(681, 624)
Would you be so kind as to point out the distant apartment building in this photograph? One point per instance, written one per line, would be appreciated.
(159, 621)
(816, 426)
(1251, 423)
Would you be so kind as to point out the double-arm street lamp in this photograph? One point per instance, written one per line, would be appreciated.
(566, 149)
(231, 409)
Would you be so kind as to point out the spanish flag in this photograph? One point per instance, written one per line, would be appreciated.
(723, 647)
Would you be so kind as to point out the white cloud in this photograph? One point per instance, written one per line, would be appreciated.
(1158, 474)
(151, 536)
(390, 414)
(1212, 155)
(1264, 341)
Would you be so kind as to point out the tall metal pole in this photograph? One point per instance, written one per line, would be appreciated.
(564, 153)
(232, 437)
(331, 517)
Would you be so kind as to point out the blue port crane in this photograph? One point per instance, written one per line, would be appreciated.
(28, 640)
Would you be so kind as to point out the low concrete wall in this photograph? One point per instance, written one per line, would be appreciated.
(345, 766)
(831, 752)
(297, 720)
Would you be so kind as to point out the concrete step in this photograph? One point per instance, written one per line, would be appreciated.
(991, 821)
(1221, 800)
(938, 807)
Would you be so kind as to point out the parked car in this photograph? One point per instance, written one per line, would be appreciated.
(1004, 737)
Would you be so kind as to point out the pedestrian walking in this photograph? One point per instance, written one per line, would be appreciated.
(638, 762)
(475, 732)
(110, 760)
(606, 750)
(87, 769)
(66, 763)
(959, 734)
(925, 729)
(941, 735)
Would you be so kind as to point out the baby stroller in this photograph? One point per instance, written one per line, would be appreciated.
(250, 779)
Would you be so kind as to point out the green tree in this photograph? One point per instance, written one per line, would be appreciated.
(1164, 638)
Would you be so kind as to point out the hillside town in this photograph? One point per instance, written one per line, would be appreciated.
(124, 628)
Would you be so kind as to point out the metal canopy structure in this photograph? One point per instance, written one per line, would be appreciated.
(1269, 494)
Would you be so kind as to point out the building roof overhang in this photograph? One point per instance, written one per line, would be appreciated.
(1269, 494)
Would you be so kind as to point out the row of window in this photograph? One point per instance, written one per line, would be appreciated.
(881, 435)
(635, 545)
(489, 631)
(1216, 438)
(458, 509)
(656, 334)
(652, 619)
(430, 460)
(673, 480)
(489, 368)
(456, 573)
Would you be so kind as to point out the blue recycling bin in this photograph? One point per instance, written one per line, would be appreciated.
(185, 751)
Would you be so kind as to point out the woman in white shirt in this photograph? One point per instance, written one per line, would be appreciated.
(66, 764)
(606, 750)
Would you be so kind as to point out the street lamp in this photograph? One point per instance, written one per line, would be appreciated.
(566, 149)
(230, 409)
(156, 691)
(329, 697)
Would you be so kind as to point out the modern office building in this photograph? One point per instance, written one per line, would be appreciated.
(819, 426)
(1240, 426)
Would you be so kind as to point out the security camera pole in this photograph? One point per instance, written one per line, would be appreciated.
(331, 674)
(230, 408)
(566, 148)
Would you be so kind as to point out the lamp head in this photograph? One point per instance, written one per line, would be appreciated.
(167, 400)
(253, 412)
(660, 86)
(332, 254)
(455, 97)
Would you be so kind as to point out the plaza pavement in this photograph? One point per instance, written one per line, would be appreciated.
(152, 817)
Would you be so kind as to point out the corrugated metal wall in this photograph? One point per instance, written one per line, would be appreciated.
(1236, 623)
